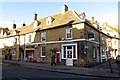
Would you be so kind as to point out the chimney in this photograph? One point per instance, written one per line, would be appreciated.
(105, 24)
(35, 16)
(14, 25)
(64, 8)
(92, 19)
(23, 24)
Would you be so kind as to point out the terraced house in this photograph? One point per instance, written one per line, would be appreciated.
(66, 38)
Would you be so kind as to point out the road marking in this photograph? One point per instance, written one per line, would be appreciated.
(22, 79)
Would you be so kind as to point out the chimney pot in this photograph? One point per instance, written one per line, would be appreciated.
(64, 8)
(35, 16)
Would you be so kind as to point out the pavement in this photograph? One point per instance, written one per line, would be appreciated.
(93, 72)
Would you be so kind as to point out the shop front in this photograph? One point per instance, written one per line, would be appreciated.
(69, 53)
(29, 55)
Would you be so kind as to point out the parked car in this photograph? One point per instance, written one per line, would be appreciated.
(118, 58)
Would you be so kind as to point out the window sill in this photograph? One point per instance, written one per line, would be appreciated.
(68, 38)
(43, 56)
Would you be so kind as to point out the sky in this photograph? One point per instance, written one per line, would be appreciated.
(19, 12)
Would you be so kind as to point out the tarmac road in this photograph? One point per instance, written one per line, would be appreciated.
(20, 73)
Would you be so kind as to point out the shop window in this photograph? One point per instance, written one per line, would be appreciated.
(74, 52)
(69, 51)
(64, 53)
(69, 33)
(43, 36)
(43, 51)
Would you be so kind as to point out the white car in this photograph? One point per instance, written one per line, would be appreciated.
(118, 58)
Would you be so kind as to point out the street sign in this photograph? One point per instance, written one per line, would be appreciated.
(84, 43)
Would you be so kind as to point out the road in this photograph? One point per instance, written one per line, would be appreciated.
(20, 73)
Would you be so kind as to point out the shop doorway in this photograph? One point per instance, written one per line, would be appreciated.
(29, 55)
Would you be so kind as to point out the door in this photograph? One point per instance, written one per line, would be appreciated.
(69, 54)
(22, 55)
(69, 60)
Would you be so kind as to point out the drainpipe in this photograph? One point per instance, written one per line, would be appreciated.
(19, 47)
(99, 49)
(24, 48)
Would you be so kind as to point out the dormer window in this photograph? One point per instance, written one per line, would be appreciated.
(5, 34)
(83, 16)
(49, 20)
(1, 33)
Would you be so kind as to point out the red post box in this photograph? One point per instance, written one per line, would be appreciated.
(58, 57)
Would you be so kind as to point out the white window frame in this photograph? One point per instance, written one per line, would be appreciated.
(42, 52)
(29, 38)
(68, 32)
(49, 21)
(62, 50)
(43, 34)
(103, 53)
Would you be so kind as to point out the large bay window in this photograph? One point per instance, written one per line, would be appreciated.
(69, 51)
(69, 33)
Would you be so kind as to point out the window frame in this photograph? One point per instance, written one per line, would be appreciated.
(43, 34)
(29, 38)
(68, 32)
(65, 46)
(13, 51)
(42, 52)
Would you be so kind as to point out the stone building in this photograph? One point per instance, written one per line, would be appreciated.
(68, 36)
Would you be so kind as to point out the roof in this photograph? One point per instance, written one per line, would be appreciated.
(69, 17)
(5, 30)
(115, 29)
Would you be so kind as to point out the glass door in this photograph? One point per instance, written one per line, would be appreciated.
(69, 53)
